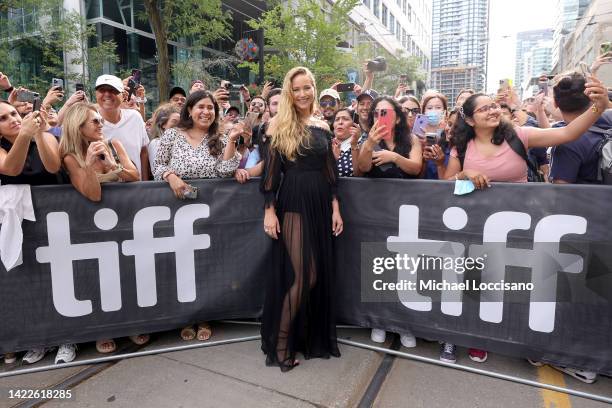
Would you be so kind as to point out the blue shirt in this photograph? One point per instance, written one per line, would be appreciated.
(578, 161)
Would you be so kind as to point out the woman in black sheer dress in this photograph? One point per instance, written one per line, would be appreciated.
(301, 215)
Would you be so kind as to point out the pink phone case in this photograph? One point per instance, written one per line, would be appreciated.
(386, 120)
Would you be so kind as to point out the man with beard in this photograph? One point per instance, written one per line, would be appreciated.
(329, 101)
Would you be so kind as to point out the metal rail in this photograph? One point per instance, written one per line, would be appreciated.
(128, 355)
(479, 371)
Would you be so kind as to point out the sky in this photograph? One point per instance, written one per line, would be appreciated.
(507, 18)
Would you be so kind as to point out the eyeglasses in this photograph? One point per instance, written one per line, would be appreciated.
(381, 112)
(487, 108)
(260, 104)
(412, 111)
(328, 104)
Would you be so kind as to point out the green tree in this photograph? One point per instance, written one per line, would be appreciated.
(57, 36)
(200, 22)
(306, 33)
(398, 64)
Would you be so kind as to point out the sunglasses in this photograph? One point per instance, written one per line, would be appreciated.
(412, 111)
(328, 104)
(487, 108)
(98, 121)
(260, 104)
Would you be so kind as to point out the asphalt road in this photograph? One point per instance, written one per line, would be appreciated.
(234, 375)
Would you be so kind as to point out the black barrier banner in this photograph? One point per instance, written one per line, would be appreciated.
(519, 269)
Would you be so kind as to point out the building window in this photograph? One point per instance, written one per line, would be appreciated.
(391, 22)
(376, 8)
(398, 32)
(404, 39)
(404, 3)
(366, 3)
(384, 15)
(409, 13)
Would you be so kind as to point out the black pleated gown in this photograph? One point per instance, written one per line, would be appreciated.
(298, 314)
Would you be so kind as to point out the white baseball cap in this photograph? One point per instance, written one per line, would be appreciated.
(330, 92)
(110, 80)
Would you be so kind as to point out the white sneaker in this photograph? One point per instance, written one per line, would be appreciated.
(378, 335)
(65, 354)
(10, 358)
(588, 377)
(34, 355)
(408, 340)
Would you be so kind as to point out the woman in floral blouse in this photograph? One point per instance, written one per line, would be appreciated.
(196, 149)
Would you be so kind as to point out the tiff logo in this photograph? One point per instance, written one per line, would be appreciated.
(544, 259)
(61, 253)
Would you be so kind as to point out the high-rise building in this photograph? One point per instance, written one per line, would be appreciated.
(459, 45)
(536, 61)
(525, 42)
(568, 13)
(395, 25)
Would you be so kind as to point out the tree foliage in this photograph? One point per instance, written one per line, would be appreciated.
(53, 36)
(306, 33)
(194, 22)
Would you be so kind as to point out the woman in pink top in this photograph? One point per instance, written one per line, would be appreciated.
(480, 136)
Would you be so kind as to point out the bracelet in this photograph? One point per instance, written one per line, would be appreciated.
(166, 175)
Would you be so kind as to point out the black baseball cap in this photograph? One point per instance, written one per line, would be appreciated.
(177, 90)
(369, 93)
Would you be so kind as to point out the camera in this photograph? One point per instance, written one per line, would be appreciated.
(378, 64)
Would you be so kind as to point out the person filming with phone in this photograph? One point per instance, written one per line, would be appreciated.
(389, 150)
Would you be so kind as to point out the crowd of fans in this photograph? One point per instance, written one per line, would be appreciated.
(199, 134)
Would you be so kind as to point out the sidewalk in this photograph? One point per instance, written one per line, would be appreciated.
(235, 375)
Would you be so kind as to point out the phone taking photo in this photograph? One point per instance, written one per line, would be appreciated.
(57, 83)
(346, 87)
(420, 123)
(385, 119)
(79, 87)
(136, 74)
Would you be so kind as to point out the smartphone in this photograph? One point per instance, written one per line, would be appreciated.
(355, 118)
(605, 47)
(431, 139)
(57, 83)
(386, 166)
(543, 85)
(385, 119)
(190, 192)
(585, 69)
(346, 87)
(403, 80)
(250, 119)
(420, 122)
(504, 84)
(26, 96)
(136, 76)
(79, 87)
(36, 103)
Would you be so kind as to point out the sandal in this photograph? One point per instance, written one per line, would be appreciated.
(106, 346)
(140, 339)
(188, 333)
(204, 331)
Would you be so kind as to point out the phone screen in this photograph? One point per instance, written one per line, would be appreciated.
(385, 118)
(420, 122)
(79, 87)
(403, 79)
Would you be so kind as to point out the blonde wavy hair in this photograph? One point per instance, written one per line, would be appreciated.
(289, 132)
(72, 141)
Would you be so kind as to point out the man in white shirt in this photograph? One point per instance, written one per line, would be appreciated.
(125, 125)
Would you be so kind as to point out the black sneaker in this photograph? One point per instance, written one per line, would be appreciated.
(447, 353)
